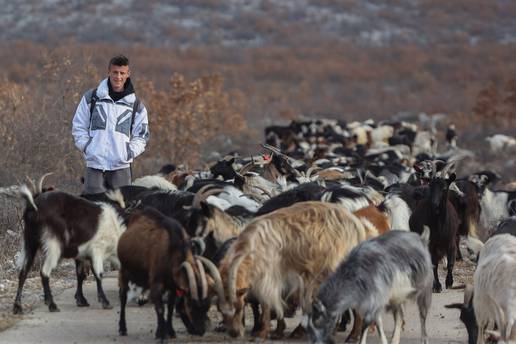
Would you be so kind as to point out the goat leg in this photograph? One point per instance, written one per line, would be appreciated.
(96, 267)
(452, 251)
(358, 323)
(171, 301)
(157, 299)
(122, 292)
(437, 288)
(27, 264)
(280, 329)
(80, 271)
(49, 299)
(265, 322)
(255, 307)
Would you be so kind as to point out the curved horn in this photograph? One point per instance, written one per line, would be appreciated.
(204, 282)
(192, 283)
(448, 167)
(32, 185)
(215, 274)
(267, 192)
(309, 171)
(202, 194)
(40, 182)
(246, 168)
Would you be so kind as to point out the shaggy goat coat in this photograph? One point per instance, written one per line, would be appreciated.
(290, 249)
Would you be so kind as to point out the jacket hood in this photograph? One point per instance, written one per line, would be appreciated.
(103, 91)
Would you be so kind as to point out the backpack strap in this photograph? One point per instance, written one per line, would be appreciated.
(92, 96)
(93, 100)
(136, 107)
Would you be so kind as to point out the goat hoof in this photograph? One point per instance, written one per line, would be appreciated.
(449, 283)
(81, 302)
(122, 332)
(17, 309)
(106, 306)
(53, 307)
(171, 334)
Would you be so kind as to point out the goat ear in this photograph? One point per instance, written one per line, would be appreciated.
(232, 160)
(451, 178)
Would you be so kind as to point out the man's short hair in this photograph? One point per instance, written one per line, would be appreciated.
(119, 60)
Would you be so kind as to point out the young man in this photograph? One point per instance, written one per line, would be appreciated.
(111, 128)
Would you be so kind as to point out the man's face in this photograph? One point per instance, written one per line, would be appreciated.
(117, 76)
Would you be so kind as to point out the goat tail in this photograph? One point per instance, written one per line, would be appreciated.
(20, 191)
(116, 196)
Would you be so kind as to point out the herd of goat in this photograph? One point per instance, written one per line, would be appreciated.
(343, 220)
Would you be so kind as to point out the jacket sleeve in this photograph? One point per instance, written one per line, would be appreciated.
(140, 133)
(81, 125)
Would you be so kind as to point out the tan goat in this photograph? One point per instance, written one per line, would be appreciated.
(291, 249)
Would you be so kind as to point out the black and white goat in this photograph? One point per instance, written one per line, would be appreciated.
(65, 226)
(369, 284)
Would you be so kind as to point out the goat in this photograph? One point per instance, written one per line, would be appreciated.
(369, 284)
(500, 143)
(65, 226)
(155, 253)
(437, 213)
(494, 297)
(467, 312)
(289, 249)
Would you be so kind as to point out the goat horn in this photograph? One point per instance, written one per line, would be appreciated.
(192, 283)
(31, 182)
(272, 148)
(204, 282)
(40, 182)
(233, 271)
(267, 192)
(215, 274)
(202, 194)
(246, 168)
(448, 167)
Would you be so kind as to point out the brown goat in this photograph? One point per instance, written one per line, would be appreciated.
(156, 254)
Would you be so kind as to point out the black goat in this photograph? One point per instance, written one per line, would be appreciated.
(438, 214)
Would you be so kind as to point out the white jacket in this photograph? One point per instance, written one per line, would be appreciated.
(104, 136)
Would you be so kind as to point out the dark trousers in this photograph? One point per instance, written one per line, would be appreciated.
(95, 181)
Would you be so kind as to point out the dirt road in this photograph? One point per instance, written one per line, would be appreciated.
(95, 325)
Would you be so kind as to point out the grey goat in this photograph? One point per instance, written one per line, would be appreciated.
(379, 273)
